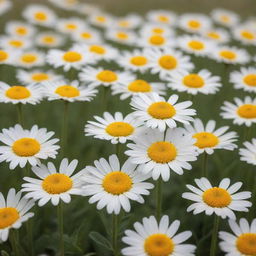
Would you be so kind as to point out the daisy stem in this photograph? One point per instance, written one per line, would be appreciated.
(105, 98)
(215, 235)
(115, 234)
(204, 167)
(61, 232)
(158, 198)
(118, 149)
(20, 114)
(64, 128)
(14, 242)
(29, 228)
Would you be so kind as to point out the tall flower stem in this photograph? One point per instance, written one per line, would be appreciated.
(158, 198)
(20, 114)
(204, 165)
(14, 242)
(115, 234)
(105, 96)
(64, 128)
(215, 235)
(118, 150)
(61, 228)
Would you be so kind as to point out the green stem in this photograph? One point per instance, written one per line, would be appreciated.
(158, 198)
(204, 166)
(105, 97)
(115, 234)
(61, 232)
(215, 235)
(20, 114)
(64, 128)
(118, 149)
(14, 242)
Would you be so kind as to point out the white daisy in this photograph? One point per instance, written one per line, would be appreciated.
(159, 113)
(208, 139)
(5, 6)
(116, 128)
(113, 186)
(15, 43)
(29, 59)
(248, 154)
(151, 238)
(121, 36)
(13, 212)
(53, 185)
(87, 35)
(24, 146)
(158, 152)
(162, 17)
(7, 56)
(130, 21)
(101, 19)
(70, 25)
(156, 41)
(243, 112)
(193, 83)
(49, 40)
(156, 29)
(245, 35)
(68, 91)
(221, 200)
(225, 17)
(217, 35)
(15, 94)
(19, 29)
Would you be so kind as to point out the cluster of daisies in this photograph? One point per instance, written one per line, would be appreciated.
(144, 60)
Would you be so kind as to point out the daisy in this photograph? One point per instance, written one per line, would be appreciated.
(87, 35)
(248, 154)
(113, 186)
(14, 43)
(68, 91)
(5, 5)
(196, 45)
(70, 25)
(29, 59)
(194, 23)
(36, 76)
(166, 61)
(20, 94)
(49, 40)
(221, 200)
(156, 112)
(103, 77)
(162, 17)
(208, 139)
(101, 20)
(230, 55)
(242, 112)
(151, 238)
(242, 242)
(158, 153)
(156, 29)
(131, 21)
(225, 17)
(156, 41)
(13, 212)
(75, 58)
(138, 86)
(19, 29)
(245, 35)
(116, 128)
(53, 185)
(7, 56)
(24, 146)
(217, 35)
(39, 15)
(193, 83)
(121, 36)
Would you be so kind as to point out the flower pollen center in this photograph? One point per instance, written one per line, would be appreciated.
(193, 81)
(217, 197)
(205, 140)
(107, 76)
(161, 110)
(3, 55)
(228, 55)
(139, 60)
(38, 77)
(246, 244)
(72, 56)
(139, 86)
(194, 24)
(8, 216)
(119, 129)
(26, 147)
(248, 79)
(29, 58)
(167, 62)
(18, 92)
(97, 49)
(247, 111)
(68, 91)
(196, 45)
(157, 40)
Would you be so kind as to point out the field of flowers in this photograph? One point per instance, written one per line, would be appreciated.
(127, 135)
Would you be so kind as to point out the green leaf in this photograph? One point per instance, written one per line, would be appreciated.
(4, 253)
(100, 240)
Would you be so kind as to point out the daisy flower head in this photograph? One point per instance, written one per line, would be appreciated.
(156, 112)
(29, 59)
(248, 153)
(101, 20)
(36, 76)
(22, 146)
(68, 91)
(5, 5)
(156, 41)
(104, 77)
(116, 128)
(245, 35)
(151, 238)
(70, 25)
(15, 94)
(225, 17)
(230, 55)
(162, 17)
(222, 200)
(131, 21)
(208, 139)
(138, 86)
(7, 56)
(13, 212)
(243, 240)
(87, 35)
(14, 43)
(49, 40)
(19, 29)
(196, 45)
(121, 36)
(156, 29)
(39, 15)
(216, 35)
(167, 61)
(242, 112)
(194, 23)
(113, 186)
(193, 83)
(54, 185)
(75, 57)
(157, 153)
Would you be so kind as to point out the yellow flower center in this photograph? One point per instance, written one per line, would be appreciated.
(228, 55)
(71, 26)
(248, 35)
(213, 35)
(72, 56)
(193, 81)
(68, 91)
(159, 245)
(196, 45)
(57, 183)
(8, 216)
(26, 147)
(38, 77)
(139, 60)
(16, 43)
(18, 92)
(107, 76)
(225, 18)
(158, 30)
(205, 140)
(86, 35)
(29, 58)
(49, 39)
(40, 16)
(124, 23)
(248, 79)
(163, 18)
(167, 62)
(97, 49)
(247, 111)
(217, 197)
(157, 40)
(101, 19)
(119, 129)
(139, 86)
(21, 31)
(117, 183)
(122, 35)
(3, 55)
(194, 24)
(162, 152)
(246, 244)
(161, 110)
